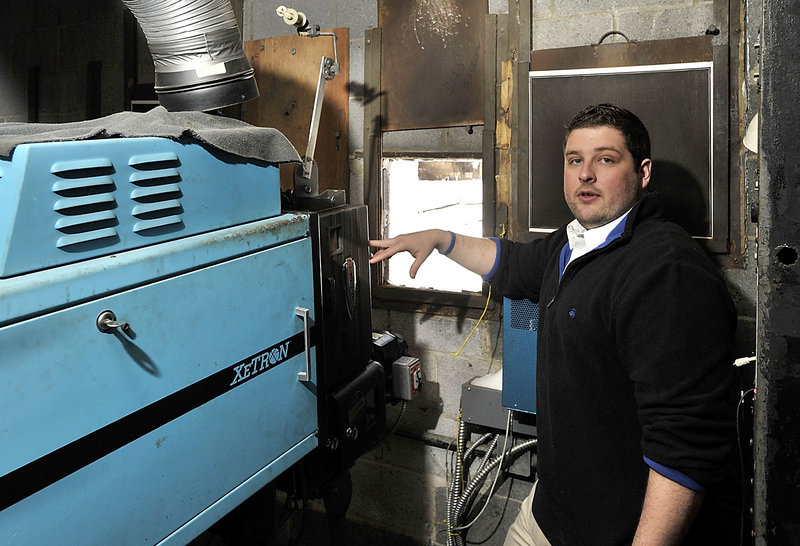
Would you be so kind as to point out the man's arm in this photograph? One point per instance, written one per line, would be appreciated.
(668, 511)
(474, 253)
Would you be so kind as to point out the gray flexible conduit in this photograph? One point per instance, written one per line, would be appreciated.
(455, 487)
(460, 474)
(466, 498)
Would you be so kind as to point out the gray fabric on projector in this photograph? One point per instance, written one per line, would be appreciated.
(226, 134)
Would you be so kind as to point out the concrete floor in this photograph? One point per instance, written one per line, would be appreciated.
(293, 526)
(313, 531)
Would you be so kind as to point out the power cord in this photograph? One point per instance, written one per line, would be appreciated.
(488, 298)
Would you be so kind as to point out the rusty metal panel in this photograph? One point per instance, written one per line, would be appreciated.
(432, 62)
(681, 50)
(777, 419)
(490, 205)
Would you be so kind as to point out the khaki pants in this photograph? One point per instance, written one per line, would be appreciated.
(525, 531)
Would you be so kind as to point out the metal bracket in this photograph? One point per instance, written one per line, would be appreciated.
(328, 69)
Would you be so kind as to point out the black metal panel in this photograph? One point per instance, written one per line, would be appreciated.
(777, 421)
(344, 315)
(680, 107)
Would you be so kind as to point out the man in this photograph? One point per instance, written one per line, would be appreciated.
(634, 412)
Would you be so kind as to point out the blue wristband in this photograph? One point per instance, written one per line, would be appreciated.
(452, 244)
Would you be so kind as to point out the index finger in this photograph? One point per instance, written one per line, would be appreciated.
(381, 243)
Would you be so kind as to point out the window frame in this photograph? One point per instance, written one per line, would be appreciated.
(385, 294)
(430, 295)
(419, 299)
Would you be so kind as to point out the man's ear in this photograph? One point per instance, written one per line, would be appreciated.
(644, 172)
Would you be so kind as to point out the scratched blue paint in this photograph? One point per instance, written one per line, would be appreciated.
(198, 301)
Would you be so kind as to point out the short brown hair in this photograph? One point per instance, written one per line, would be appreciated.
(637, 139)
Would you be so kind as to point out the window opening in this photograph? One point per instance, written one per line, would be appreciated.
(423, 193)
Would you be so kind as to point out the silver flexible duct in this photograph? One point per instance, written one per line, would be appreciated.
(197, 52)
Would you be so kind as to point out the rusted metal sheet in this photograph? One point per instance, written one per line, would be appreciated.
(432, 63)
(495, 218)
(682, 50)
(287, 70)
(777, 419)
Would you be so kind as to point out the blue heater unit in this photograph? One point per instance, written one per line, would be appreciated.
(156, 358)
(520, 330)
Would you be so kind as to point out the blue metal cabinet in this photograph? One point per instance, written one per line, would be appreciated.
(149, 433)
(61, 202)
(157, 427)
(520, 335)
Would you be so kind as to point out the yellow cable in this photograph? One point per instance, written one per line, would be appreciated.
(488, 297)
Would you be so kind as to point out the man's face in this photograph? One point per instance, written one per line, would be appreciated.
(600, 179)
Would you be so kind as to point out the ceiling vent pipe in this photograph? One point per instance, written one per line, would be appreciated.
(197, 52)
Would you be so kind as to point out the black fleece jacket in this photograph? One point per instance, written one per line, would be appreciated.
(633, 361)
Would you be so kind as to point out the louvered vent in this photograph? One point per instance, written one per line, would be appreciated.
(85, 203)
(157, 194)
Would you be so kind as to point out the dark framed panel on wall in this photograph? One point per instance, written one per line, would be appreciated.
(676, 87)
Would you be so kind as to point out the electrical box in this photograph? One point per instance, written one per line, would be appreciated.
(406, 377)
(520, 331)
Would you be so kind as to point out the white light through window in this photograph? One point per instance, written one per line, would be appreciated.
(423, 193)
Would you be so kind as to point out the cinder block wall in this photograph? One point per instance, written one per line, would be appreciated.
(580, 22)
(401, 485)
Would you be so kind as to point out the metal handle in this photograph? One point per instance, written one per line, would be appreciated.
(302, 312)
(107, 322)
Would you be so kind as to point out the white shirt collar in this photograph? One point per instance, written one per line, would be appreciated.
(582, 240)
